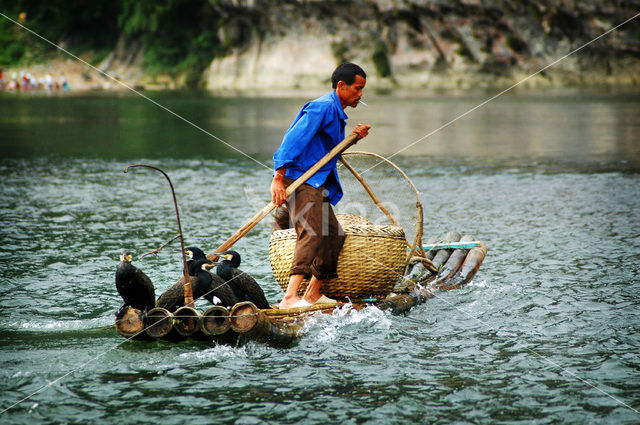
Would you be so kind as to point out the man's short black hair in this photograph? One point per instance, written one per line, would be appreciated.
(346, 72)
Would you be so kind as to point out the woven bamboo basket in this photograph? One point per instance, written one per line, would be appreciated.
(371, 261)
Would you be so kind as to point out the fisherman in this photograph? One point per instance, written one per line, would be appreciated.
(318, 128)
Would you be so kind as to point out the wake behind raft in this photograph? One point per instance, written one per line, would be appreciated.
(377, 267)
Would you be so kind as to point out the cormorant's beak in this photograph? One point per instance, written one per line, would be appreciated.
(209, 266)
(225, 256)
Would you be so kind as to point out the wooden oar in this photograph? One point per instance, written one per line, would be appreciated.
(337, 150)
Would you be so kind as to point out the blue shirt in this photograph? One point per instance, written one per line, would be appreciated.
(318, 128)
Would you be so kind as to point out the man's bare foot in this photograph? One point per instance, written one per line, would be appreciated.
(288, 302)
(307, 298)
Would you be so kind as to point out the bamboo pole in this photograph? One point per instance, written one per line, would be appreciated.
(443, 254)
(215, 321)
(454, 262)
(251, 322)
(160, 324)
(430, 253)
(187, 320)
(401, 303)
(131, 325)
(469, 268)
(338, 149)
(366, 187)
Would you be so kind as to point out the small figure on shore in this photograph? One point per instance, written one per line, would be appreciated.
(48, 82)
(64, 83)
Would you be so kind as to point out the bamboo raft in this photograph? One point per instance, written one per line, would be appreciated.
(385, 271)
(283, 327)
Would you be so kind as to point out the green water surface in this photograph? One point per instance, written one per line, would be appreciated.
(546, 333)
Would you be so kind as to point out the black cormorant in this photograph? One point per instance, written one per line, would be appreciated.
(135, 287)
(212, 285)
(203, 284)
(194, 253)
(244, 286)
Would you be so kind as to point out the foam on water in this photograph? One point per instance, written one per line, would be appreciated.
(218, 352)
(477, 283)
(327, 327)
(61, 325)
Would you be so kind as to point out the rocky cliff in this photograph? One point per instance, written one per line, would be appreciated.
(413, 44)
(265, 44)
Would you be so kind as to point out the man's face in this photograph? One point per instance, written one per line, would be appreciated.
(350, 94)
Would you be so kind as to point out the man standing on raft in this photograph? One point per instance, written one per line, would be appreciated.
(318, 127)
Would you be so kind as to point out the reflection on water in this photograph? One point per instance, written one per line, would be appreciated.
(571, 127)
(547, 332)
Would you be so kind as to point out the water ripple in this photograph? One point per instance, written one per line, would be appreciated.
(556, 298)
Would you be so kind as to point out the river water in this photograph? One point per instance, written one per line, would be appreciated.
(547, 332)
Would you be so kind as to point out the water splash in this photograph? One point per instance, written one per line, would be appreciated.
(216, 353)
(96, 323)
(328, 327)
(477, 284)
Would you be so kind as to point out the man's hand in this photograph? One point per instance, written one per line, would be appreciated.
(362, 130)
(278, 192)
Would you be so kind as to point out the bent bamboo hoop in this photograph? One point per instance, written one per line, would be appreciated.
(368, 189)
(338, 149)
(416, 248)
(188, 292)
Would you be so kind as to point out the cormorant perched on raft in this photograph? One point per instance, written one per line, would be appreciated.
(203, 284)
(193, 254)
(244, 286)
(135, 287)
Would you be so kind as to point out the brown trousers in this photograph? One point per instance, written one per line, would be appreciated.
(319, 235)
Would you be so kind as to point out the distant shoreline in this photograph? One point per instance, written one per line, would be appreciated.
(81, 78)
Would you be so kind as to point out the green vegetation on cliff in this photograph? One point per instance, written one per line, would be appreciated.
(496, 38)
(69, 23)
